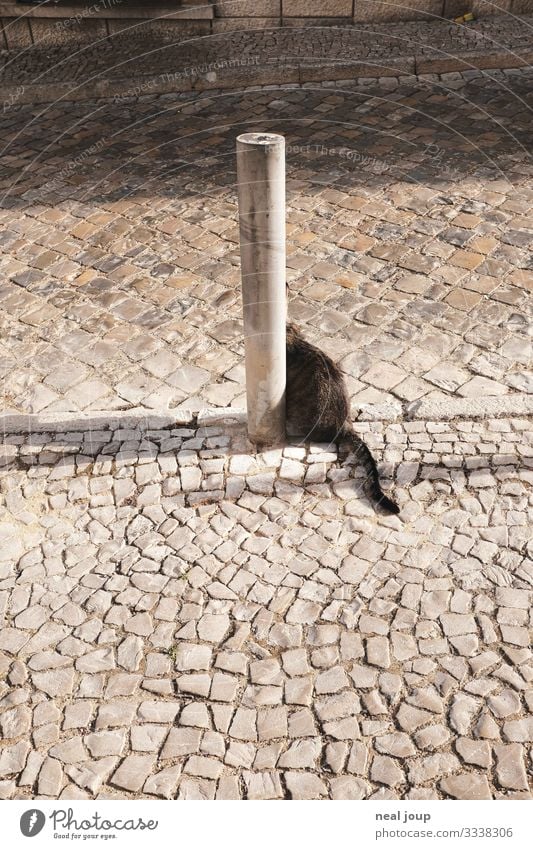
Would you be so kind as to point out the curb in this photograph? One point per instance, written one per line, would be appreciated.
(492, 407)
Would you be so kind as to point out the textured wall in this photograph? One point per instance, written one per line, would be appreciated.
(284, 12)
(82, 24)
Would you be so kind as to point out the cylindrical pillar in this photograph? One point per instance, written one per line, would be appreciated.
(261, 187)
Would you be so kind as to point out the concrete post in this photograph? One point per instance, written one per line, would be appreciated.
(261, 187)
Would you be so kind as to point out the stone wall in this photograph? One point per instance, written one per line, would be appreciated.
(248, 13)
(87, 21)
(82, 21)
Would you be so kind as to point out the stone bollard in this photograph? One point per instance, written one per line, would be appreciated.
(261, 188)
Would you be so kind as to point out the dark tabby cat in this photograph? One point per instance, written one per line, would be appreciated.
(317, 406)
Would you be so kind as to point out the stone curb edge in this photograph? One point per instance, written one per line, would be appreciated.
(497, 406)
(325, 71)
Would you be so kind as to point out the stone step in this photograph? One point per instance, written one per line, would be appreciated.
(201, 78)
(128, 58)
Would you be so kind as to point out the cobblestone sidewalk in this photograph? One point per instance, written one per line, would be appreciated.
(185, 619)
(118, 63)
(409, 242)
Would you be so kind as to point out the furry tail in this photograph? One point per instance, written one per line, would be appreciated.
(362, 452)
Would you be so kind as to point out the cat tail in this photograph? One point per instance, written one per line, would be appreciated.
(368, 463)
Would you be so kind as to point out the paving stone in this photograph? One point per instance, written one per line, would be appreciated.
(335, 756)
(305, 786)
(13, 758)
(510, 767)
(299, 691)
(358, 759)
(45, 735)
(398, 745)
(432, 737)
(506, 703)
(240, 755)
(200, 789)
(519, 730)
(486, 728)
(263, 785)
(44, 712)
(147, 738)
(164, 782)
(455, 624)
(204, 767)
(213, 628)
(302, 723)
(130, 652)
(303, 612)
(92, 775)
(50, 778)
(29, 775)
(271, 723)
(15, 722)
(385, 770)
(196, 715)
(337, 706)
(342, 729)
(378, 652)
(191, 656)
(158, 711)
(140, 624)
(122, 684)
(345, 787)
(196, 684)
(97, 661)
(181, 741)
(115, 714)
(374, 703)
(403, 646)
(331, 681)
(302, 754)
(228, 788)
(268, 671)
(70, 752)
(432, 766)
(462, 711)
(411, 718)
(58, 682)
(105, 743)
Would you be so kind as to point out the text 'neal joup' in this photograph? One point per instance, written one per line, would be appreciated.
(404, 816)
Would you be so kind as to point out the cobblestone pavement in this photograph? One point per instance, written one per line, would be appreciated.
(378, 46)
(409, 242)
(185, 619)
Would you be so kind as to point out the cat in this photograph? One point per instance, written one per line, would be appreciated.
(317, 406)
